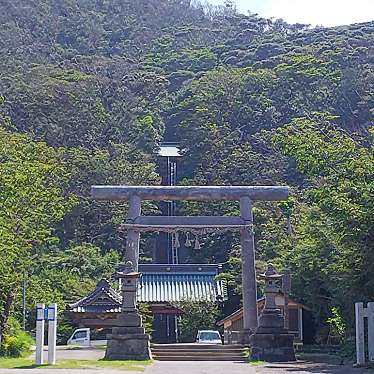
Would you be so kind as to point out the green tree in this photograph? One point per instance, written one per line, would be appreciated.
(197, 315)
(32, 176)
(335, 234)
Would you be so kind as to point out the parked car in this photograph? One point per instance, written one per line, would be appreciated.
(82, 337)
(208, 337)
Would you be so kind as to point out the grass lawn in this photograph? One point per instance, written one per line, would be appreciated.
(256, 363)
(251, 362)
(26, 363)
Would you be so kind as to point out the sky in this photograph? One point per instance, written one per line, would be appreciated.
(314, 12)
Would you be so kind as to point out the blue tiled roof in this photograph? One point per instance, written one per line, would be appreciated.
(172, 287)
(158, 284)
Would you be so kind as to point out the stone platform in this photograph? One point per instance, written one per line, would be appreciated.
(271, 342)
(272, 347)
(128, 340)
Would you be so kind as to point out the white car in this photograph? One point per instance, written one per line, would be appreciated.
(82, 338)
(208, 337)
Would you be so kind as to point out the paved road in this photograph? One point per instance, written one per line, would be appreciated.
(199, 367)
(74, 354)
(215, 367)
(209, 367)
(193, 367)
(66, 371)
(309, 368)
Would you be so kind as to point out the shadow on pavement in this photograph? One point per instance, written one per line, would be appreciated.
(312, 368)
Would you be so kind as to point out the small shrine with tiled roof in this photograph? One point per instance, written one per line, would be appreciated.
(160, 286)
(103, 299)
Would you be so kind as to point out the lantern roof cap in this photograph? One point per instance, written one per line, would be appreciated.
(128, 271)
(270, 273)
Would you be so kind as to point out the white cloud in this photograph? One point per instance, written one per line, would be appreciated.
(320, 12)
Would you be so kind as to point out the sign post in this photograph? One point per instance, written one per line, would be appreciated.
(361, 313)
(52, 333)
(370, 317)
(39, 333)
(46, 314)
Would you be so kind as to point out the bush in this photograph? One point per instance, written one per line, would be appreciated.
(145, 311)
(196, 316)
(347, 350)
(347, 347)
(16, 345)
(64, 330)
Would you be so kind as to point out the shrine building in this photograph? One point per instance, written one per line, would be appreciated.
(161, 287)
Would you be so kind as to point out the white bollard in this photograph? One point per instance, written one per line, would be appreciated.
(370, 315)
(360, 336)
(39, 334)
(52, 333)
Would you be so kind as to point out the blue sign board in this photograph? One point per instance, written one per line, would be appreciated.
(46, 314)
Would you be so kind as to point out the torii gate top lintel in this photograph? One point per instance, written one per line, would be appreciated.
(198, 193)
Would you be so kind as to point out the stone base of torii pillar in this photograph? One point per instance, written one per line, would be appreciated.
(128, 340)
(271, 342)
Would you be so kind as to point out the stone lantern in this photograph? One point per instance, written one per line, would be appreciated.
(128, 340)
(271, 341)
(271, 317)
(129, 287)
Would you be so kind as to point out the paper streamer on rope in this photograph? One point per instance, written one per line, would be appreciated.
(176, 240)
(188, 242)
(194, 231)
(197, 243)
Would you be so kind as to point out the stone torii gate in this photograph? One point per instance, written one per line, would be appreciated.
(135, 223)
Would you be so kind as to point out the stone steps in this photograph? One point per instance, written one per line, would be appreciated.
(203, 351)
(194, 358)
(199, 347)
(197, 352)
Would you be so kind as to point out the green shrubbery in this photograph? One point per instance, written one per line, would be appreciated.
(145, 311)
(196, 316)
(16, 343)
(338, 329)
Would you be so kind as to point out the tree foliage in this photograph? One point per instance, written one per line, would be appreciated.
(89, 89)
(197, 315)
(339, 221)
(32, 177)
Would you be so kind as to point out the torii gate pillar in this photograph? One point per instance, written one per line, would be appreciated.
(249, 288)
(133, 236)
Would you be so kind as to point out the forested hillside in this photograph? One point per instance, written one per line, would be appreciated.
(89, 89)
